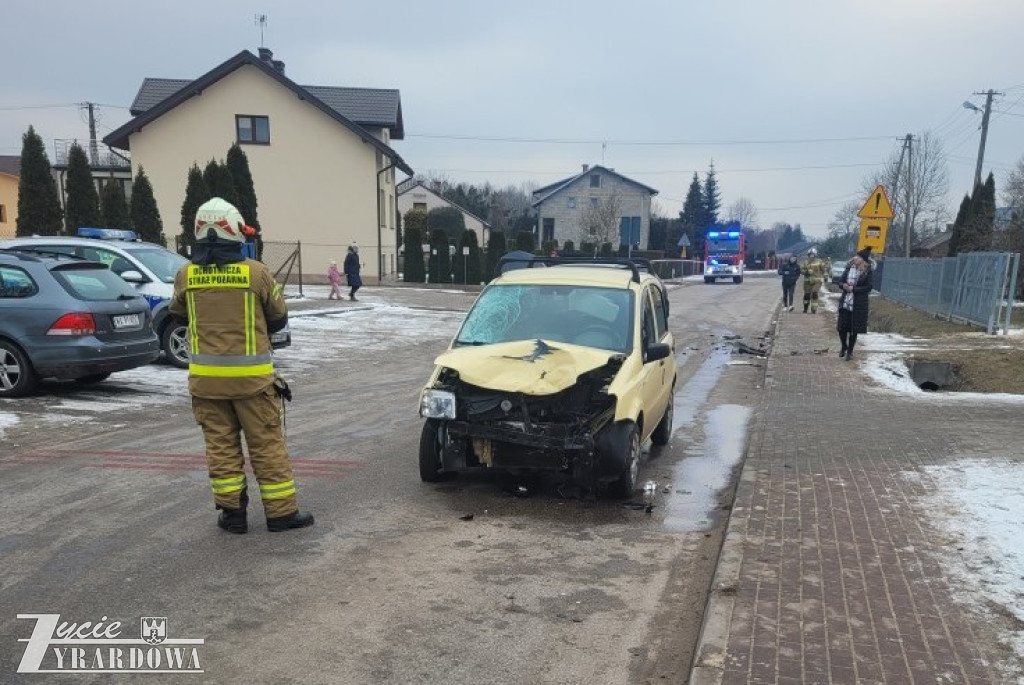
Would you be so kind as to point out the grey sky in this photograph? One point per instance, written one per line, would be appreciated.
(729, 72)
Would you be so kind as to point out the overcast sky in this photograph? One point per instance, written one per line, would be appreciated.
(754, 85)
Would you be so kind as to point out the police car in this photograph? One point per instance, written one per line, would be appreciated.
(150, 268)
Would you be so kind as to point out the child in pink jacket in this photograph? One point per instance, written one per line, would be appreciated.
(334, 276)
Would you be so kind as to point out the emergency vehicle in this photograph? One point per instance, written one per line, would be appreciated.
(725, 253)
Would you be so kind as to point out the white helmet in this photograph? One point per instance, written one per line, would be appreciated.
(813, 252)
(220, 219)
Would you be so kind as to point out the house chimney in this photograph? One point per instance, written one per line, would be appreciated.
(266, 55)
(586, 168)
(278, 65)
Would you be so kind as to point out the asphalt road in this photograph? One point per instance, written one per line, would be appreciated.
(106, 512)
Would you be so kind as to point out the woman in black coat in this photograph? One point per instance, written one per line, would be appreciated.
(856, 286)
(790, 272)
(351, 267)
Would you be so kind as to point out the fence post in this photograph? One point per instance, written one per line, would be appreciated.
(298, 247)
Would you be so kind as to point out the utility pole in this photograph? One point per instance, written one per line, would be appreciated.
(984, 134)
(908, 224)
(94, 155)
(896, 180)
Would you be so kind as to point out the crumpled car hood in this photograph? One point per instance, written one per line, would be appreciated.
(531, 367)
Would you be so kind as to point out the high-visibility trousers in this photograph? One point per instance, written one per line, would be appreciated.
(259, 419)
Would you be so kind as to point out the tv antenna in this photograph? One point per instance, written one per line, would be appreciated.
(261, 21)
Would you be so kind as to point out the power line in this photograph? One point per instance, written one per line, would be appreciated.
(653, 143)
(22, 107)
(637, 172)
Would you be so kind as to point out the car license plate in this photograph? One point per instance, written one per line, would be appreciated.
(127, 321)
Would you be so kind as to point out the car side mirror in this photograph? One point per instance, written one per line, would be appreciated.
(132, 276)
(656, 351)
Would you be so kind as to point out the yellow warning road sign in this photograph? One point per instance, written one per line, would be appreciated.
(877, 206)
(872, 234)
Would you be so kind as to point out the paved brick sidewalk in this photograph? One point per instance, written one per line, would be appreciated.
(830, 572)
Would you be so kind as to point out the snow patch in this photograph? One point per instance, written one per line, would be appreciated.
(6, 421)
(891, 372)
(981, 505)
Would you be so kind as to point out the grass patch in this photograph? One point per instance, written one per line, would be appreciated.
(887, 316)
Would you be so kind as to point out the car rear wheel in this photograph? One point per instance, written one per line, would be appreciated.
(17, 377)
(174, 342)
(628, 441)
(430, 452)
(663, 431)
(737, 279)
(709, 280)
(93, 378)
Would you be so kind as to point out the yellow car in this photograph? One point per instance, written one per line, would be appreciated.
(569, 367)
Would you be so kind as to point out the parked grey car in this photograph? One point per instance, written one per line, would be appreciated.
(67, 319)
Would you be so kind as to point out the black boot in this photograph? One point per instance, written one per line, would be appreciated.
(296, 519)
(234, 520)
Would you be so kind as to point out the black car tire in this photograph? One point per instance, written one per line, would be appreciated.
(174, 343)
(17, 377)
(737, 279)
(624, 439)
(663, 431)
(92, 378)
(709, 281)
(430, 453)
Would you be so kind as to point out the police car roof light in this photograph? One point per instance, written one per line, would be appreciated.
(713, 234)
(106, 233)
(734, 234)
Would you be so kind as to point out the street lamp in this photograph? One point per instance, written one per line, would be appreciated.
(970, 105)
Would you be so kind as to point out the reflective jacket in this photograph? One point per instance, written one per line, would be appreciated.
(231, 310)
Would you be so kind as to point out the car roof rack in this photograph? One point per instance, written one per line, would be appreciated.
(531, 262)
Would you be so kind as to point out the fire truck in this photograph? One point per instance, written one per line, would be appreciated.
(725, 253)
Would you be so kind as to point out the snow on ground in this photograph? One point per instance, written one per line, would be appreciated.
(6, 421)
(981, 505)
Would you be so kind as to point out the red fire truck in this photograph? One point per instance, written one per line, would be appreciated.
(725, 253)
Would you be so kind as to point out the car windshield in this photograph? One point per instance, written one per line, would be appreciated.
(89, 282)
(581, 315)
(163, 263)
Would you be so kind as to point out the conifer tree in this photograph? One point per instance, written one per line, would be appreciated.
(692, 216)
(957, 236)
(440, 263)
(39, 210)
(113, 206)
(496, 246)
(525, 240)
(414, 270)
(220, 184)
(977, 236)
(144, 213)
(712, 197)
(82, 206)
(467, 267)
(196, 193)
(241, 178)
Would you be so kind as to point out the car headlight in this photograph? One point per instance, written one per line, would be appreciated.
(437, 404)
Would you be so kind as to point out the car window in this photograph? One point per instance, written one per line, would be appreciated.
(116, 262)
(163, 263)
(15, 282)
(660, 319)
(649, 331)
(581, 315)
(94, 284)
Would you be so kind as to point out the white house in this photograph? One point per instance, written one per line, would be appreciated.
(418, 195)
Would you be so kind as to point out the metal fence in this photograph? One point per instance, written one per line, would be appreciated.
(667, 269)
(977, 287)
(285, 261)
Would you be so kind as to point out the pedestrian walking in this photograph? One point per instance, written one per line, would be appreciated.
(352, 267)
(334, 277)
(790, 272)
(233, 305)
(815, 271)
(852, 318)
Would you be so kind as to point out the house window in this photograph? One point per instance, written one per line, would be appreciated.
(420, 206)
(548, 230)
(3, 214)
(593, 202)
(572, 203)
(595, 180)
(252, 129)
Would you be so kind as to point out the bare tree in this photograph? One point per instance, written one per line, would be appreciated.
(1013, 191)
(920, 187)
(600, 221)
(744, 212)
(845, 221)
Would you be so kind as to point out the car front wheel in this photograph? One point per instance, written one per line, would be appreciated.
(17, 377)
(625, 441)
(430, 452)
(174, 342)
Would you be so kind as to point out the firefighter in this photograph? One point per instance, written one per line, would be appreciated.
(815, 271)
(233, 305)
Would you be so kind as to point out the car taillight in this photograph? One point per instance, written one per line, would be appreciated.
(75, 323)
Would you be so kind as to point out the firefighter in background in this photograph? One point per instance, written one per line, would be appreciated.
(233, 305)
(815, 271)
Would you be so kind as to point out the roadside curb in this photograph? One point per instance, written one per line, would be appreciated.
(709, 657)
